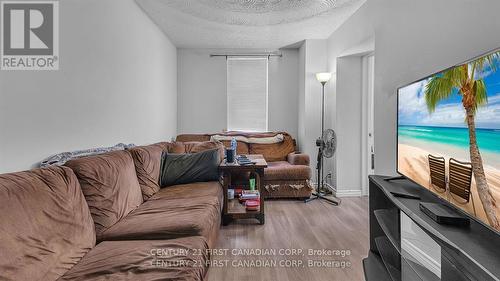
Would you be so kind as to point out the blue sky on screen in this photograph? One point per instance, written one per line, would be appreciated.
(450, 112)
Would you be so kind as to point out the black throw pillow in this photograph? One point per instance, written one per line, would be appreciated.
(188, 168)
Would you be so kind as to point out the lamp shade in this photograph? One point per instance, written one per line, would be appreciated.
(323, 77)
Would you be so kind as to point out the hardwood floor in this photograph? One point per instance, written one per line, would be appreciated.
(294, 225)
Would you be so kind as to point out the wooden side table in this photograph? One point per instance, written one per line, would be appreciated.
(232, 208)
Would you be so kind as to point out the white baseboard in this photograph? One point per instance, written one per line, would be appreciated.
(349, 193)
(331, 187)
(343, 193)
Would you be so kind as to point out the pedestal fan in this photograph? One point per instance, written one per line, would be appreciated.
(326, 149)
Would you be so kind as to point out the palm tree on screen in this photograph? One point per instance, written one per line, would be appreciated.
(468, 83)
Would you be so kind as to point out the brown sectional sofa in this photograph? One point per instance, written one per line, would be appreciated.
(288, 173)
(104, 217)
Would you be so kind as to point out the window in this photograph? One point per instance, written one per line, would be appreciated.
(247, 87)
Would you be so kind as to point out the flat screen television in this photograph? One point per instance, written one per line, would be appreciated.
(448, 136)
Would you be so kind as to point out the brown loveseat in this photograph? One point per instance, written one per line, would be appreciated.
(104, 217)
(288, 174)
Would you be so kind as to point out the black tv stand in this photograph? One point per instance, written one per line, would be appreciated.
(467, 253)
(395, 178)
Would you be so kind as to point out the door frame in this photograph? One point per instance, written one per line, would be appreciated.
(367, 133)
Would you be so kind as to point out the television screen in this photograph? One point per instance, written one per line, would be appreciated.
(449, 136)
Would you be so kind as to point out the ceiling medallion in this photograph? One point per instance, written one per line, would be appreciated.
(255, 12)
(263, 6)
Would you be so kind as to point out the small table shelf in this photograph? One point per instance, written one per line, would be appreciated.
(235, 207)
(232, 208)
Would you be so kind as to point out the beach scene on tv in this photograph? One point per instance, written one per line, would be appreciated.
(449, 136)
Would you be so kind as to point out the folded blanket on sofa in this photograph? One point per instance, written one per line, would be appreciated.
(63, 157)
(264, 140)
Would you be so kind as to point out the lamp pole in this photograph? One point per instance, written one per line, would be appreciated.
(323, 78)
(322, 173)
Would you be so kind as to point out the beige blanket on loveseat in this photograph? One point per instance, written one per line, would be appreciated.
(265, 140)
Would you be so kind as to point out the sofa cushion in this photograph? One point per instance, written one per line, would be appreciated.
(192, 137)
(45, 224)
(298, 158)
(176, 147)
(168, 219)
(177, 259)
(276, 151)
(110, 186)
(195, 146)
(282, 170)
(147, 166)
(185, 191)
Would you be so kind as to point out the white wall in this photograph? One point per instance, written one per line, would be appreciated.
(348, 126)
(420, 38)
(313, 54)
(345, 47)
(202, 91)
(283, 97)
(412, 40)
(201, 96)
(302, 97)
(116, 83)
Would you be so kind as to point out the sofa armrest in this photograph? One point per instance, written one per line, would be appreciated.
(297, 158)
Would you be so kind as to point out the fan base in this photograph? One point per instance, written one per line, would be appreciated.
(332, 200)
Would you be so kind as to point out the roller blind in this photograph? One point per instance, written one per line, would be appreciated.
(247, 87)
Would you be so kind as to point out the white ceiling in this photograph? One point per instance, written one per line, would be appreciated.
(263, 24)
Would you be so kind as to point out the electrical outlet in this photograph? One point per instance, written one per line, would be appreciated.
(328, 178)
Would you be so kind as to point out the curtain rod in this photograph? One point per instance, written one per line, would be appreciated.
(247, 55)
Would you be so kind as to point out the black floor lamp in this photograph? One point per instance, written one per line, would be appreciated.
(326, 145)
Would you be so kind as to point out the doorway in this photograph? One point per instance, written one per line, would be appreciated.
(368, 144)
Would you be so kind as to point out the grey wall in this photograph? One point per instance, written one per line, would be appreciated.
(412, 39)
(116, 83)
(202, 91)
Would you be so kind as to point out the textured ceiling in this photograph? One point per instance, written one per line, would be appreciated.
(247, 23)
